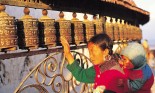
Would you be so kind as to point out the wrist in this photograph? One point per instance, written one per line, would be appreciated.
(69, 58)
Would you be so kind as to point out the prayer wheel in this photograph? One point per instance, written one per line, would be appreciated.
(8, 34)
(47, 32)
(116, 29)
(121, 32)
(129, 31)
(98, 25)
(77, 29)
(109, 29)
(27, 31)
(63, 28)
(125, 30)
(88, 28)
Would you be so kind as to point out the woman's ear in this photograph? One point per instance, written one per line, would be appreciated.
(106, 51)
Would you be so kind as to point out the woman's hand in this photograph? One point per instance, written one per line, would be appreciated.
(99, 89)
(65, 44)
(67, 52)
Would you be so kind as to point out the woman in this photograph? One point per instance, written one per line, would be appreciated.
(105, 71)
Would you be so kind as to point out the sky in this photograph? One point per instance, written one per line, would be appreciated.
(148, 29)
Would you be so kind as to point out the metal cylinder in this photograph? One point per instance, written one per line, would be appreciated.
(27, 33)
(8, 35)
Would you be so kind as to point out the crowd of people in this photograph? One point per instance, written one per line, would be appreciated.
(127, 72)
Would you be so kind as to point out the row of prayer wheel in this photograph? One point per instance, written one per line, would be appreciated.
(120, 30)
(31, 33)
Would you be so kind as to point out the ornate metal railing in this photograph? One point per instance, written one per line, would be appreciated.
(51, 76)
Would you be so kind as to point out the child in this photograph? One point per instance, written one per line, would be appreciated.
(105, 71)
(139, 74)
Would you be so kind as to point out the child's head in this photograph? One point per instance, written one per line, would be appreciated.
(134, 53)
(100, 46)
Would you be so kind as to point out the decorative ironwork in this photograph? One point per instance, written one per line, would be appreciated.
(120, 46)
(50, 75)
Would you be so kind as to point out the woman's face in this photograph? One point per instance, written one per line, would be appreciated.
(96, 54)
(126, 63)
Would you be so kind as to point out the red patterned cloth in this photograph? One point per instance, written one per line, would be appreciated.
(107, 75)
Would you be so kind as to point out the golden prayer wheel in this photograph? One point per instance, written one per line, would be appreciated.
(47, 33)
(89, 30)
(8, 34)
(125, 30)
(116, 30)
(121, 32)
(63, 28)
(109, 29)
(98, 26)
(27, 33)
(129, 30)
(134, 33)
(77, 27)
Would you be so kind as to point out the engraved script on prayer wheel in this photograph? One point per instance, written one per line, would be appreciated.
(47, 32)
(77, 28)
(133, 32)
(88, 28)
(98, 25)
(8, 34)
(63, 28)
(116, 29)
(129, 30)
(27, 31)
(125, 30)
(121, 32)
(109, 28)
